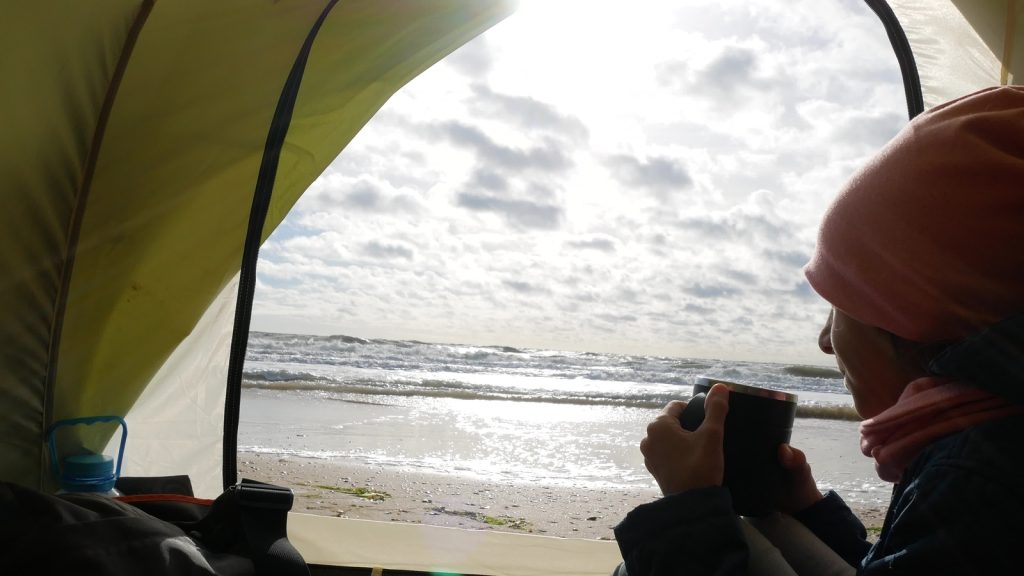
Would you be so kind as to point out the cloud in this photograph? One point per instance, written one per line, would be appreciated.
(367, 193)
(517, 171)
(733, 69)
(659, 174)
(741, 277)
(699, 309)
(804, 291)
(869, 130)
(521, 213)
(548, 157)
(627, 294)
(474, 59)
(793, 258)
(706, 291)
(319, 246)
(388, 250)
(488, 180)
(365, 197)
(726, 77)
(528, 113)
(613, 318)
(525, 288)
(599, 243)
(755, 223)
(695, 135)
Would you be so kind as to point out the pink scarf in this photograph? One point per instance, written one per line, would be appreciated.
(928, 409)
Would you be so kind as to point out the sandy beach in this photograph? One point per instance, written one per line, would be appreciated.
(556, 469)
(379, 493)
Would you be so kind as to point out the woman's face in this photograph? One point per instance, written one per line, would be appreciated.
(874, 373)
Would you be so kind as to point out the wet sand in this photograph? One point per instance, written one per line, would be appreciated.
(378, 493)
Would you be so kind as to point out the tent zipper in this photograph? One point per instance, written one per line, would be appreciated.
(250, 255)
(904, 55)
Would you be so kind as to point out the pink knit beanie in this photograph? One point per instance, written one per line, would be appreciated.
(927, 240)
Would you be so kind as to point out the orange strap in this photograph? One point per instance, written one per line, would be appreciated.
(164, 498)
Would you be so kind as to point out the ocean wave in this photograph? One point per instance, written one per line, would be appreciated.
(345, 352)
(690, 365)
(283, 376)
(456, 390)
(348, 365)
(346, 339)
(812, 372)
(827, 412)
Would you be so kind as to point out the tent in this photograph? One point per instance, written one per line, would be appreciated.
(150, 147)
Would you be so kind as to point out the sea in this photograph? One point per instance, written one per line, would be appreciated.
(504, 414)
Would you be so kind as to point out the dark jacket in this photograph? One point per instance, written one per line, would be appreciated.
(959, 509)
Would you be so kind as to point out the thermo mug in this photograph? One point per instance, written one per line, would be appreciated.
(759, 420)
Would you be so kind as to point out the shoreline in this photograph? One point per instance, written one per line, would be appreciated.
(347, 490)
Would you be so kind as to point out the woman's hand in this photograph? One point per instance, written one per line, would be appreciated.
(799, 490)
(682, 460)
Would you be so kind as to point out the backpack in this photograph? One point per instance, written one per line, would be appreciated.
(157, 529)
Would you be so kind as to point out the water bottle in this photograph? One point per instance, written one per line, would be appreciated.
(87, 472)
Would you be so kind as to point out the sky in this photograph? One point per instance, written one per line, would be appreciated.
(637, 177)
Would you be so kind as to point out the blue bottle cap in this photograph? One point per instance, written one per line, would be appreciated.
(88, 473)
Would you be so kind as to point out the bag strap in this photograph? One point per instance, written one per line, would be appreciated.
(264, 514)
(249, 519)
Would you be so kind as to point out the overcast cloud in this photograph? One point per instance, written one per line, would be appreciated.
(545, 186)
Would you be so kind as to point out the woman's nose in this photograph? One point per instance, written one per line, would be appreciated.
(825, 338)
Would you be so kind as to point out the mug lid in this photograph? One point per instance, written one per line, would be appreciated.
(748, 389)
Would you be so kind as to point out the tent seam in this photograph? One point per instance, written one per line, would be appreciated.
(75, 221)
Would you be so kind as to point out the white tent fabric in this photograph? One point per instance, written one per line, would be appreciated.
(961, 46)
(177, 422)
(397, 546)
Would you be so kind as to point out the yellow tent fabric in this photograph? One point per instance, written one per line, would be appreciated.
(134, 132)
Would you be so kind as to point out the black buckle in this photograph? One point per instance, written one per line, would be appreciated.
(260, 495)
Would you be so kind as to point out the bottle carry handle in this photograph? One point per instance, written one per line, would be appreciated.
(87, 420)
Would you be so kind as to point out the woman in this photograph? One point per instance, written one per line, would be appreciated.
(922, 258)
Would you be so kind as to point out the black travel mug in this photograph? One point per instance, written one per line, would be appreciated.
(758, 421)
